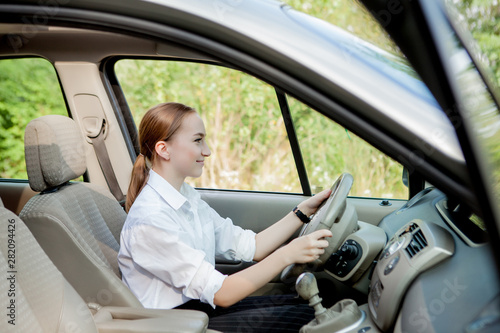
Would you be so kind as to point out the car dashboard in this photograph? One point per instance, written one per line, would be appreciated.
(432, 265)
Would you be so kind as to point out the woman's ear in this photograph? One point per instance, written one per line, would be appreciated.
(161, 148)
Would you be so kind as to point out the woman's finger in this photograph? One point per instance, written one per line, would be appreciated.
(323, 243)
(322, 233)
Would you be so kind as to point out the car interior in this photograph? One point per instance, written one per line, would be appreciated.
(400, 261)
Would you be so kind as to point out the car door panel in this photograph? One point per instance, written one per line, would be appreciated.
(257, 210)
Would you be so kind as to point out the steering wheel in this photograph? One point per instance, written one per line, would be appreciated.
(333, 214)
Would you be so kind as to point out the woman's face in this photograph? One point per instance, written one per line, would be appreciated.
(187, 148)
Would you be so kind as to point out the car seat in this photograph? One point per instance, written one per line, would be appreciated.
(38, 299)
(78, 224)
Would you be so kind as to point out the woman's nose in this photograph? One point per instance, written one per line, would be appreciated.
(206, 151)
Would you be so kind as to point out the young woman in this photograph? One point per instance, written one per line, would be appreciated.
(171, 237)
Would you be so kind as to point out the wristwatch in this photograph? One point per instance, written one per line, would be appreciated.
(303, 217)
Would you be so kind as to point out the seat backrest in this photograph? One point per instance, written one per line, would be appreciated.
(77, 224)
(37, 297)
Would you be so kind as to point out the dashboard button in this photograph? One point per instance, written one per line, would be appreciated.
(392, 263)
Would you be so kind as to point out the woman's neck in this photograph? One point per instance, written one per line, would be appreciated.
(171, 178)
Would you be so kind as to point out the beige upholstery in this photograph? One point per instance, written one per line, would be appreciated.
(43, 300)
(77, 224)
(54, 150)
(123, 319)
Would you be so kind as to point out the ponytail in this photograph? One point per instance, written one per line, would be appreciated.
(158, 124)
(140, 175)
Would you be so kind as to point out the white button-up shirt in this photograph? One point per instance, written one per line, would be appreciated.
(169, 244)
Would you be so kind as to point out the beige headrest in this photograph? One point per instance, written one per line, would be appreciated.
(54, 151)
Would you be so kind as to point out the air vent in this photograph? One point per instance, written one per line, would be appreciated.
(417, 243)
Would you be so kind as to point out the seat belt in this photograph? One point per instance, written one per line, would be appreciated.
(105, 163)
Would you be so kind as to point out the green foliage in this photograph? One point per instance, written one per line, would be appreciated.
(330, 150)
(349, 15)
(28, 89)
(482, 17)
(245, 130)
(250, 148)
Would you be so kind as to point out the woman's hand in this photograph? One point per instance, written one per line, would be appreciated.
(241, 284)
(274, 236)
(306, 248)
(310, 205)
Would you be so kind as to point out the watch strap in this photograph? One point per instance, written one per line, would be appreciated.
(303, 217)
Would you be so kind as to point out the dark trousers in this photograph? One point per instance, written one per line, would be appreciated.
(280, 313)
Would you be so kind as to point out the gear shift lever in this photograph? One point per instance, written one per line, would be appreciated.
(308, 289)
(340, 316)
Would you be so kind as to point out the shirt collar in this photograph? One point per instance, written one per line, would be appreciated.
(173, 197)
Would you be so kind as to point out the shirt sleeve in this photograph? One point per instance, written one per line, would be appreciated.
(232, 241)
(163, 254)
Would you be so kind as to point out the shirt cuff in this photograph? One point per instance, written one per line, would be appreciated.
(211, 279)
(246, 245)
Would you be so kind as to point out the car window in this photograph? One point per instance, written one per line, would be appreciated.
(247, 136)
(29, 88)
(329, 150)
(245, 129)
